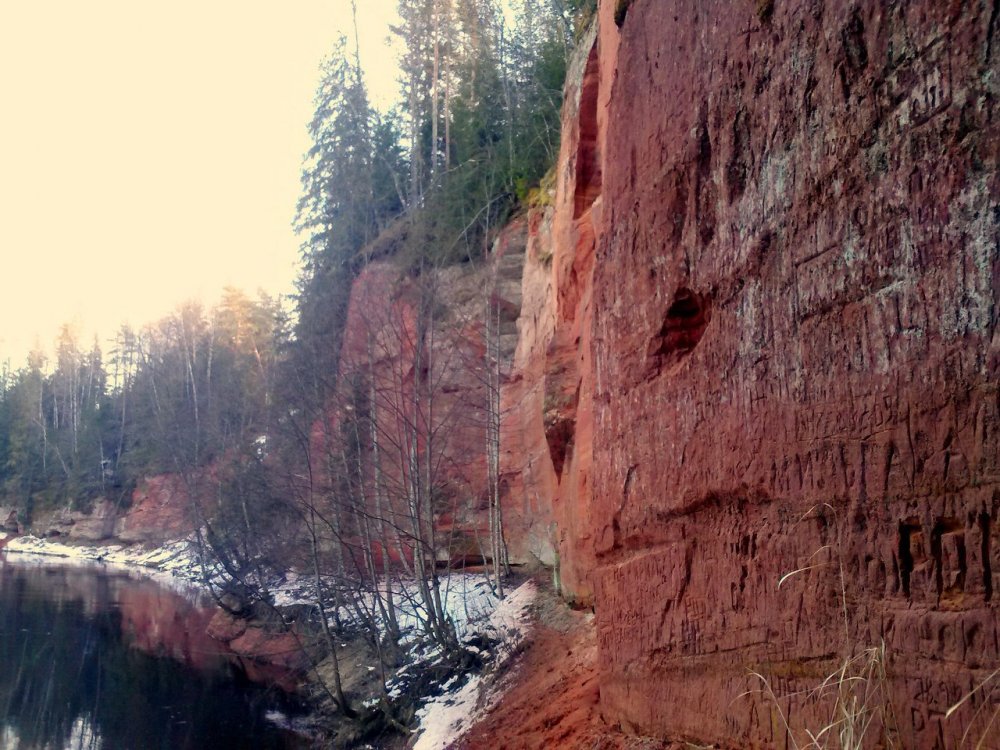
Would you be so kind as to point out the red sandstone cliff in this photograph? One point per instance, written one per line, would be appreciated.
(159, 512)
(551, 419)
(774, 345)
(380, 358)
(757, 332)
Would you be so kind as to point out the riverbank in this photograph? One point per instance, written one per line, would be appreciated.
(173, 564)
(130, 661)
(478, 614)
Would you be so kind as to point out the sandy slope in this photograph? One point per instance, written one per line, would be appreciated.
(553, 699)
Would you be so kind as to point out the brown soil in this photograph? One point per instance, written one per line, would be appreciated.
(553, 702)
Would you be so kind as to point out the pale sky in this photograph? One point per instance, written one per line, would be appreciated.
(150, 153)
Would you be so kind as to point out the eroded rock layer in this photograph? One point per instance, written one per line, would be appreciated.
(380, 358)
(795, 361)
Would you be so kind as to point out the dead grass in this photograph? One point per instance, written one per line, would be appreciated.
(854, 697)
(985, 690)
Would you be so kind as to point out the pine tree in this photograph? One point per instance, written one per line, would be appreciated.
(351, 189)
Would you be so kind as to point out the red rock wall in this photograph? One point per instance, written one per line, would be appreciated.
(777, 275)
(160, 512)
(568, 412)
(379, 346)
(526, 465)
(551, 395)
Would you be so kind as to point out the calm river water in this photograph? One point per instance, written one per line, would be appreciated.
(92, 658)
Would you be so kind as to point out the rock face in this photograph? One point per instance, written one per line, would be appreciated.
(262, 645)
(379, 362)
(550, 422)
(160, 512)
(525, 461)
(85, 527)
(777, 276)
(8, 519)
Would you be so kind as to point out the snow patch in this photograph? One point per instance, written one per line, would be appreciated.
(444, 719)
(174, 565)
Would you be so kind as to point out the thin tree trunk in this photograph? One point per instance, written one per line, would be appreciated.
(447, 87)
(331, 644)
(392, 619)
(435, 82)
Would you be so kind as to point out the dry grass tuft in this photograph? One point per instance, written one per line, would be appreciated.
(855, 696)
(985, 690)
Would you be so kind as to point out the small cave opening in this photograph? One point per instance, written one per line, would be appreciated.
(588, 154)
(683, 327)
(559, 434)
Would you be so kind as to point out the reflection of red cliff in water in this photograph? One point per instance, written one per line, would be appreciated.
(159, 621)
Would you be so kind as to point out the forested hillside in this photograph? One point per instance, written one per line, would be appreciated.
(180, 394)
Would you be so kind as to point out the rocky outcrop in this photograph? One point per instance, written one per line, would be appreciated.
(525, 461)
(94, 526)
(776, 275)
(550, 422)
(262, 644)
(160, 512)
(544, 267)
(8, 519)
(568, 411)
(378, 375)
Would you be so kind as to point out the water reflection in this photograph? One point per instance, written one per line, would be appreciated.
(96, 659)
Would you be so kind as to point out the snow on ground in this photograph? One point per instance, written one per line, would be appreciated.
(444, 719)
(295, 589)
(175, 564)
(467, 598)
